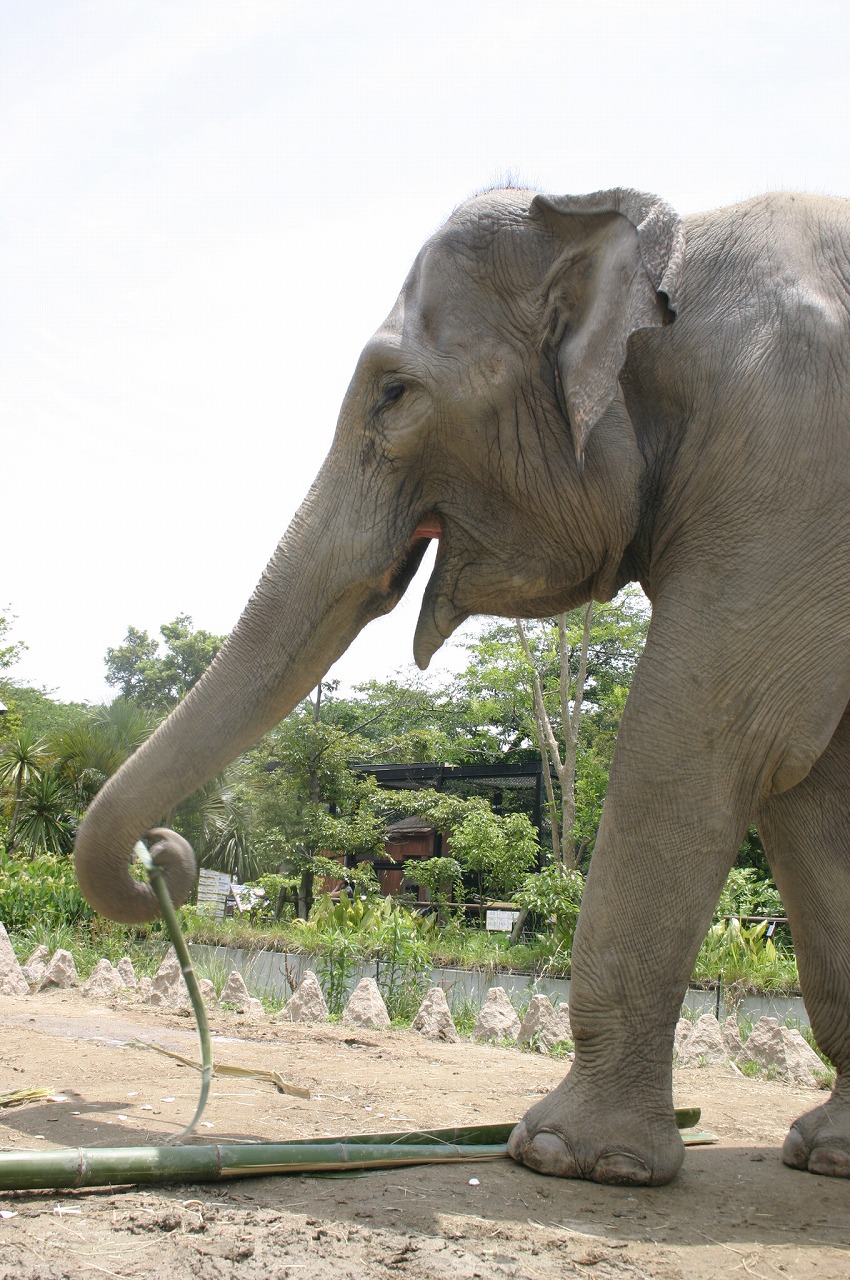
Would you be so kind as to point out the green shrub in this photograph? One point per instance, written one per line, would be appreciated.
(343, 933)
(42, 891)
(744, 954)
(555, 894)
(746, 893)
(404, 961)
(443, 878)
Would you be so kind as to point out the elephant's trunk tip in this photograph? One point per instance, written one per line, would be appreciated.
(118, 895)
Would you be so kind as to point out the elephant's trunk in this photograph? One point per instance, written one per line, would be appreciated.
(313, 599)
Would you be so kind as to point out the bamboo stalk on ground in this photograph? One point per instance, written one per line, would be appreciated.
(20, 1097)
(75, 1167)
(225, 1069)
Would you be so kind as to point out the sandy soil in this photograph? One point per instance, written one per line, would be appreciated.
(733, 1210)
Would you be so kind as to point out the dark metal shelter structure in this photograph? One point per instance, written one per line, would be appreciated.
(496, 778)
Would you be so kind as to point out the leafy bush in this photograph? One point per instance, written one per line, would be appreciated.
(280, 894)
(738, 953)
(747, 893)
(497, 849)
(555, 894)
(43, 890)
(361, 882)
(346, 932)
(442, 877)
(404, 960)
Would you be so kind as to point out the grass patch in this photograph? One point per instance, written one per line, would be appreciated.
(464, 1012)
(91, 941)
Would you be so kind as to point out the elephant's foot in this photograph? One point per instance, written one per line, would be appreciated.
(570, 1136)
(820, 1140)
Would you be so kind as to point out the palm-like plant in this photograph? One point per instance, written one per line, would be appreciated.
(47, 815)
(23, 761)
(94, 748)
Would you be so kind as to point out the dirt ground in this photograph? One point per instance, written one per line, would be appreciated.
(733, 1210)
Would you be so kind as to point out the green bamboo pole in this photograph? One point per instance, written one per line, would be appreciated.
(73, 1167)
(113, 1166)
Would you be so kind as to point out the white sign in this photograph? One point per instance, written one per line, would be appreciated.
(213, 889)
(501, 921)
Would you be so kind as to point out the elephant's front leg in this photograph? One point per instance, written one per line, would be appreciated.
(672, 825)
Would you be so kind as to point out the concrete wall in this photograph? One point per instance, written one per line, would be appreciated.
(275, 970)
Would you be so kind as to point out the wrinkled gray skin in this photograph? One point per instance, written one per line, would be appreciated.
(529, 401)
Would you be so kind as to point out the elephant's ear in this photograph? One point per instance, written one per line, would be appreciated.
(618, 270)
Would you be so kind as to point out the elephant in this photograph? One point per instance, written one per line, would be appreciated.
(572, 393)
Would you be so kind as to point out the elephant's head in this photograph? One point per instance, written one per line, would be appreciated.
(485, 412)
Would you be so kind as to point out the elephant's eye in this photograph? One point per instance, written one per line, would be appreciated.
(393, 392)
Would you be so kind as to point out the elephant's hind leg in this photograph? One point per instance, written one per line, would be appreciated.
(807, 836)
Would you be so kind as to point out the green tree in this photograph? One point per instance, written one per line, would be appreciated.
(497, 849)
(157, 677)
(442, 877)
(554, 894)
(308, 803)
(10, 650)
(48, 815)
(396, 723)
(37, 710)
(491, 701)
(573, 632)
(52, 780)
(523, 688)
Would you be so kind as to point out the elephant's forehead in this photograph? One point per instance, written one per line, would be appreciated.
(482, 226)
(484, 252)
(442, 292)
(457, 270)
(437, 282)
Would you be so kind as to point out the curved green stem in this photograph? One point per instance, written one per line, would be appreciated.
(172, 925)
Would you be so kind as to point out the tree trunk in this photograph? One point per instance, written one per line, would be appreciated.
(519, 925)
(563, 761)
(305, 894)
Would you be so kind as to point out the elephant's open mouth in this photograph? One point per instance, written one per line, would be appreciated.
(438, 617)
(402, 573)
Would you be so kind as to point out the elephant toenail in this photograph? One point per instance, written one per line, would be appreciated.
(517, 1141)
(795, 1150)
(550, 1154)
(830, 1161)
(621, 1168)
(545, 1153)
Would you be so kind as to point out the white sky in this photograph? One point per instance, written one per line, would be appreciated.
(209, 205)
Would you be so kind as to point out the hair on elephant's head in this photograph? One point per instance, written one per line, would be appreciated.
(486, 412)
